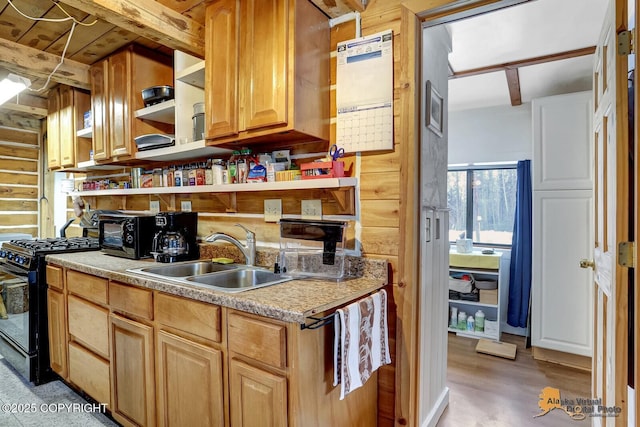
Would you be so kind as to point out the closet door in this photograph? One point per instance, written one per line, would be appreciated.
(562, 298)
(562, 292)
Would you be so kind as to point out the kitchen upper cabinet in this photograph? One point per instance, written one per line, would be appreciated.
(267, 71)
(66, 107)
(116, 87)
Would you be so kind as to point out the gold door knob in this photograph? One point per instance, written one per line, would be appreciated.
(587, 263)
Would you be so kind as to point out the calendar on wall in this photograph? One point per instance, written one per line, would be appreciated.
(364, 93)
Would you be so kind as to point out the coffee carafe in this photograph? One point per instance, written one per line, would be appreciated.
(175, 237)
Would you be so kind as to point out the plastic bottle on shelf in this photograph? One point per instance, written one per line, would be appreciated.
(243, 166)
(462, 320)
(479, 321)
(208, 173)
(178, 176)
(470, 323)
(232, 167)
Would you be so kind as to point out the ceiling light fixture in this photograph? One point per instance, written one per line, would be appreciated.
(11, 85)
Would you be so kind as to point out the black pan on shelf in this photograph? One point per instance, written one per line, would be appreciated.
(156, 94)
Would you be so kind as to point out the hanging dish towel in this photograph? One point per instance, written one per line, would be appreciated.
(361, 342)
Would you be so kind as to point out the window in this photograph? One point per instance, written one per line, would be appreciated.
(482, 203)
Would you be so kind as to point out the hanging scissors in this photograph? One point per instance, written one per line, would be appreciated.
(335, 153)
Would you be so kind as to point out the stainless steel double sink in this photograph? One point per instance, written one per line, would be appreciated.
(210, 275)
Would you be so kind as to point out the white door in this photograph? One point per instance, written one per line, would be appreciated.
(610, 357)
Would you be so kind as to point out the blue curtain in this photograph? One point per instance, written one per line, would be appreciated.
(520, 269)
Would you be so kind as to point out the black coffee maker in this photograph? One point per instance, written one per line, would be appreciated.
(175, 238)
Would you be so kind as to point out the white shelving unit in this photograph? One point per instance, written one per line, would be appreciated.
(491, 311)
(85, 133)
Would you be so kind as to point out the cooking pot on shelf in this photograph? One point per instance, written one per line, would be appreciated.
(156, 94)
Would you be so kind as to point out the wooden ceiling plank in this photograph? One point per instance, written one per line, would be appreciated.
(106, 44)
(513, 82)
(335, 8)
(149, 19)
(525, 62)
(84, 37)
(28, 61)
(45, 33)
(13, 25)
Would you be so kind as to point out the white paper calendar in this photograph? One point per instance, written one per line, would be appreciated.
(364, 93)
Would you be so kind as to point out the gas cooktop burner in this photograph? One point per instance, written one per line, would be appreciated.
(57, 244)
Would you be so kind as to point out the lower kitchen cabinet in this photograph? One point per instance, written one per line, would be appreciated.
(190, 383)
(90, 373)
(257, 397)
(163, 360)
(56, 311)
(132, 372)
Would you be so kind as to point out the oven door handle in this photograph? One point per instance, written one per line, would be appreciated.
(8, 268)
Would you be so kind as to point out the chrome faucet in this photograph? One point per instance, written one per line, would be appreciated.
(248, 251)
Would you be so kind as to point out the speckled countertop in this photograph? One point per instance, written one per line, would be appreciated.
(291, 301)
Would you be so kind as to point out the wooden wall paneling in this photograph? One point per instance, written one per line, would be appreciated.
(380, 213)
(7, 192)
(19, 121)
(19, 136)
(18, 205)
(20, 179)
(380, 186)
(20, 151)
(18, 165)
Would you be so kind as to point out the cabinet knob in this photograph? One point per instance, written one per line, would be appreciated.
(587, 263)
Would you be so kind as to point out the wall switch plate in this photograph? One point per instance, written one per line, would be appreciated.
(185, 206)
(311, 209)
(272, 210)
(154, 206)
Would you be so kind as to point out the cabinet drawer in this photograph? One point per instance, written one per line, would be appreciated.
(90, 373)
(258, 339)
(87, 286)
(89, 325)
(128, 299)
(54, 277)
(190, 316)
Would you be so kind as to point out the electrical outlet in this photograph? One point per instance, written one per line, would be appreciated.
(185, 206)
(154, 206)
(311, 209)
(272, 210)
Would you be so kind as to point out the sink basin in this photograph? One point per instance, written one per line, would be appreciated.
(242, 279)
(185, 269)
(210, 275)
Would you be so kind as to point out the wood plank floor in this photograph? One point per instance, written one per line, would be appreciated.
(488, 391)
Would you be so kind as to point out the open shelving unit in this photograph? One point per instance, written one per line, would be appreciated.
(341, 189)
(491, 311)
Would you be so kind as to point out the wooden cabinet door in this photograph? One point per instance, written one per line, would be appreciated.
(57, 332)
(132, 372)
(221, 68)
(263, 63)
(190, 383)
(99, 108)
(53, 130)
(67, 127)
(119, 90)
(257, 398)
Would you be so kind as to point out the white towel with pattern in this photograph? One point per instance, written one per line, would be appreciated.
(361, 342)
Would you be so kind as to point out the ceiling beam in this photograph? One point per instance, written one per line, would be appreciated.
(336, 8)
(524, 62)
(27, 61)
(513, 82)
(26, 103)
(149, 19)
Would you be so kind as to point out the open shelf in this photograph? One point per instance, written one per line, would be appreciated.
(190, 150)
(473, 334)
(473, 303)
(193, 75)
(229, 188)
(91, 165)
(85, 133)
(164, 112)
